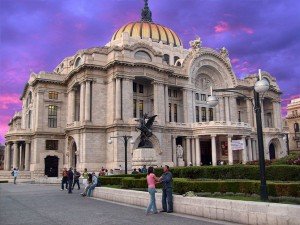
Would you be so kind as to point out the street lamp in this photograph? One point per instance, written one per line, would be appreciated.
(260, 87)
(125, 139)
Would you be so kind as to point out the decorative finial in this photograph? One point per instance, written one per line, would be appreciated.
(146, 13)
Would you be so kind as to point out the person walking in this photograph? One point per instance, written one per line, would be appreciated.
(64, 179)
(94, 184)
(15, 173)
(76, 179)
(167, 199)
(151, 181)
(70, 180)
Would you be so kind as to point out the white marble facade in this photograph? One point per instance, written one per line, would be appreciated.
(70, 113)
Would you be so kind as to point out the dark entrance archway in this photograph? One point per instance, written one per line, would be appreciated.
(51, 166)
(205, 147)
(272, 151)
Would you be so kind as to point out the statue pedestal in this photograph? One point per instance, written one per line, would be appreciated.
(144, 156)
(180, 162)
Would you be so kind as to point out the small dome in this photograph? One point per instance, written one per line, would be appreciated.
(145, 29)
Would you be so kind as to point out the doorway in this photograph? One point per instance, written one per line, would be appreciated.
(272, 151)
(51, 166)
(205, 147)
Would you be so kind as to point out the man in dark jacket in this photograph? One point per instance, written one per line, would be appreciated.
(70, 179)
(76, 179)
(167, 199)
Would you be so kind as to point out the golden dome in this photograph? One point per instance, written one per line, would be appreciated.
(145, 29)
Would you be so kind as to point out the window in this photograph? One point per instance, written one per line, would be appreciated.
(197, 96)
(166, 58)
(77, 104)
(78, 62)
(142, 55)
(175, 112)
(203, 112)
(29, 119)
(141, 88)
(170, 112)
(298, 144)
(134, 108)
(51, 144)
(175, 93)
(29, 98)
(175, 59)
(296, 127)
(53, 95)
(197, 114)
(141, 108)
(211, 114)
(169, 92)
(203, 97)
(52, 116)
(239, 116)
(134, 87)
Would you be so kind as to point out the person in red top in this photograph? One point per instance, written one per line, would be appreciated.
(151, 181)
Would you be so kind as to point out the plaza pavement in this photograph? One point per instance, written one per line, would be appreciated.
(38, 204)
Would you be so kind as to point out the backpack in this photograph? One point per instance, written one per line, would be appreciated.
(12, 173)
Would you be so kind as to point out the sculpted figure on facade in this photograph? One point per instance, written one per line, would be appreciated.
(224, 52)
(196, 44)
(179, 151)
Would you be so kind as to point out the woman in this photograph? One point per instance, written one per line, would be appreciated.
(85, 177)
(89, 184)
(151, 181)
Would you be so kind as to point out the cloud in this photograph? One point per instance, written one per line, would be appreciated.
(7, 100)
(221, 27)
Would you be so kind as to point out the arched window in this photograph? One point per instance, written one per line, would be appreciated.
(175, 59)
(29, 99)
(296, 127)
(140, 55)
(78, 62)
(166, 58)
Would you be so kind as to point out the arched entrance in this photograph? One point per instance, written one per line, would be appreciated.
(272, 151)
(51, 166)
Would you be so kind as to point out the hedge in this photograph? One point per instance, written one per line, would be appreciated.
(182, 186)
(273, 172)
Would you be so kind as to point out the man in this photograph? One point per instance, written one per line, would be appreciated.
(15, 174)
(64, 179)
(134, 171)
(144, 169)
(94, 184)
(76, 179)
(70, 179)
(167, 198)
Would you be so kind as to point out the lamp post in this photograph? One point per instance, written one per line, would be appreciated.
(125, 139)
(261, 86)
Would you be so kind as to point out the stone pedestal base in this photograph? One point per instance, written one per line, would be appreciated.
(180, 162)
(144, 156)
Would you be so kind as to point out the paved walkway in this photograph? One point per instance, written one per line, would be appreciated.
(32, 204)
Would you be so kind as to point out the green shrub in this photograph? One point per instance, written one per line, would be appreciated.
(129, 183)
(110, 180)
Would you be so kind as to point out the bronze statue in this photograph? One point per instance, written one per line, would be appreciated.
(146, 132)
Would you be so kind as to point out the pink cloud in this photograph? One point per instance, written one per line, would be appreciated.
(221, 27)
(234, 60)
(9, 99)
(247, 30)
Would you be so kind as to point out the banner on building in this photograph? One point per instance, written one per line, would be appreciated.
(237, 145)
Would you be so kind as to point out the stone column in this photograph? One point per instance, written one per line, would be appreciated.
(230, 153)
(82, 96)
(87, 101)
(39, 111)
(198, 152)
(174, 151)
(244, 150)
(213, 150)
(166, 95)
(233, 109)
(227, 112)
(262, 112)
(20, 157)
(217, 112)
(250, 152)
(127, 99)
(71, 109)
(118, 99)
(194, 107)
(15, 159)
(250, 116)
(27, 157)
(7, 157)
(188, 151)
(222, 109)
(193, 152)
(159, 103)
(254, 147)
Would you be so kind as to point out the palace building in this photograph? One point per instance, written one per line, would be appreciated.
(68, 115)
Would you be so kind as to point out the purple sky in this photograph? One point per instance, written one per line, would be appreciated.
(37, 34)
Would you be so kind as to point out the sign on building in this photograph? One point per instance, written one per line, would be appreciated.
(237, 145)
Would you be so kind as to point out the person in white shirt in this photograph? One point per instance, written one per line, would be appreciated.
(15, 174)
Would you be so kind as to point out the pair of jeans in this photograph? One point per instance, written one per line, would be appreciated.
(152, 203)
(167, 200)
(64, 181)
(91, 188)
(15, 180)
(70, 186)
(76, 182)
